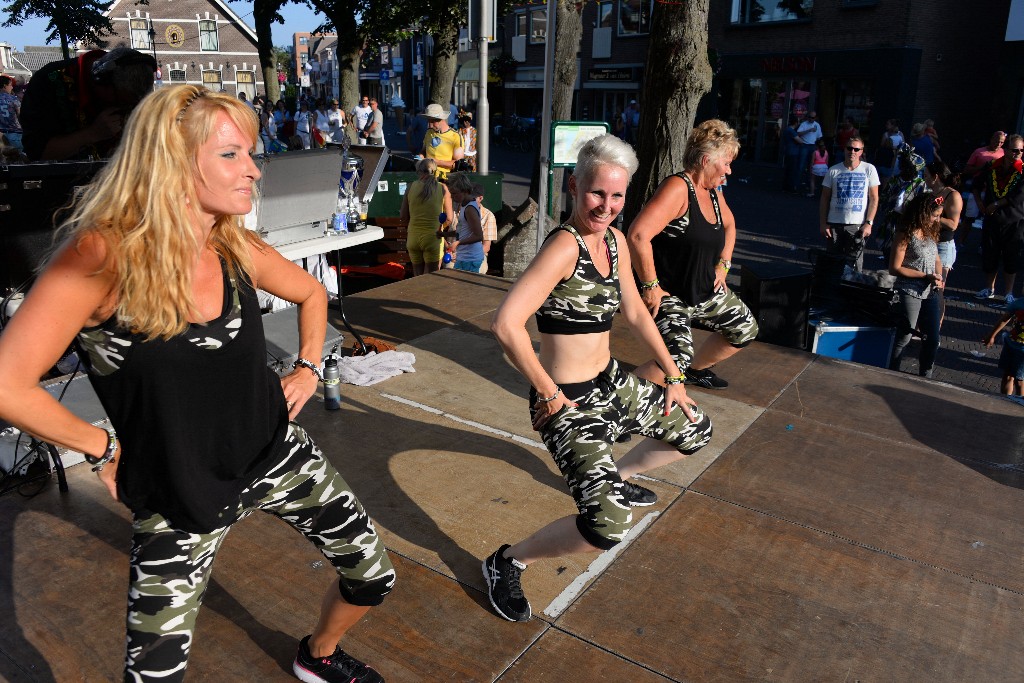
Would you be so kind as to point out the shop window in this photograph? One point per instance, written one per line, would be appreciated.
(635, 17)
(764, 11)
(177, 75)
(140, 34)
(538, 26)
(208, 41)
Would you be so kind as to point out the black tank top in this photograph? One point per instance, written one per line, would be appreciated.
(200, 416)
(686, 251)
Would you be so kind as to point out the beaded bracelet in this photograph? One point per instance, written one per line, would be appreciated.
(552, 397)
(108, 455)
(674, 380)
(646, 286)
(309, 365)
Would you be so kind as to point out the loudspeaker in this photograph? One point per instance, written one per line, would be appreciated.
(778, 294)
(31, 199)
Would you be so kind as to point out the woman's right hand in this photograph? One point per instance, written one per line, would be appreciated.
(545, 410)
(652, 299)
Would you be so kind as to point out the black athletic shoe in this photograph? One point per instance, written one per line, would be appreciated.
(638, 496)
(705, 378)
(338, 668)
(503, 587)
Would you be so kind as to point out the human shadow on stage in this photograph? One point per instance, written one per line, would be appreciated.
(373, 451)
(986, 439)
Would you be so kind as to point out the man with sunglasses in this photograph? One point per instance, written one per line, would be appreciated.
(361, 114)
(999, 193)
(849, 200)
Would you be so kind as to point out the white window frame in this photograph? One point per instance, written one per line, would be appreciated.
(216, 77)
(177, 75)
(740, 12)
(205, 33)
(538, 36)
(139, 30)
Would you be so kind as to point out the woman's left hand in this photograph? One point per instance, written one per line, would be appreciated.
(298, 387)
(675, 394)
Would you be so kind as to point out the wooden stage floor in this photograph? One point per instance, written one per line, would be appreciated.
(845, 524)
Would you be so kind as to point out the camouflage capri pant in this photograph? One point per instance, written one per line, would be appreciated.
(170, 568)
(580, 440)
(724, 313)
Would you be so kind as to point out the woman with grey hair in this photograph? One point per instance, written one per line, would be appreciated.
(581, 400)
(681, 244)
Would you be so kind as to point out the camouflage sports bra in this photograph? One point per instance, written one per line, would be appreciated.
(587, 301)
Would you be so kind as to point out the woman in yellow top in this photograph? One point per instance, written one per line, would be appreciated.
(422, 206)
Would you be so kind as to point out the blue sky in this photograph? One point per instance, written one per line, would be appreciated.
(298, 18)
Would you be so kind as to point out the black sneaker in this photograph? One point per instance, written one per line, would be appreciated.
(340, 667)
(705, 378)
(503, 588)
(638, 496)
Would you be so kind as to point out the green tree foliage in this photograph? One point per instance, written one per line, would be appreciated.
(82, 20)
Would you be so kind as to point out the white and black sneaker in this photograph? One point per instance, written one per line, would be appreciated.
(704, 378)
(502, 577)
(638, 496)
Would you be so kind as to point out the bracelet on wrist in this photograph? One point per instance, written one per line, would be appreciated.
(647, 286)
(309, 365)
(552, 397)
(674, 380)
(108, 455)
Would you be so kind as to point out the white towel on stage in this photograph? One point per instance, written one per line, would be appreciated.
(375, 367)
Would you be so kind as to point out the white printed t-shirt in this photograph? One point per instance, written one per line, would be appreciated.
(849, 192)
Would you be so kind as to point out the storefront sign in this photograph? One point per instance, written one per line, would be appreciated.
(610, 74)
(772, 65)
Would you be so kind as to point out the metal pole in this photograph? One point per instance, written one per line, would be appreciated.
(483, 107)
(545, 130)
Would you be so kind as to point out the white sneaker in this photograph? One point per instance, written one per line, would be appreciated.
(985, 294)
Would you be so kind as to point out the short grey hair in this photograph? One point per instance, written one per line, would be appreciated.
(604, 150)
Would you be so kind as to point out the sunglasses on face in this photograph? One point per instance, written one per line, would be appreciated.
(1015, 152)
(854, 149)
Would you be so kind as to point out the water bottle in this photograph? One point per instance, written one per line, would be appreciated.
(353, 218)
(332, 384)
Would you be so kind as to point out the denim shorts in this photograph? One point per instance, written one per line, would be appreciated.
(1011, 361)
(947, 254)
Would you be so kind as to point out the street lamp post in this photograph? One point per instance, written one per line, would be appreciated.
(152, 41)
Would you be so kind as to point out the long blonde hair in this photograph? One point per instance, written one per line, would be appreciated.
(139, 206)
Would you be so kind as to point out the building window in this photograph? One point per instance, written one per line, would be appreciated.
(208, 41)
(303, 41)
(245, 81)
(178, 76)
(635, 17)
(605, 15)
(140, 34)
(303, 58)
(521, 28)
(212, 80)
(761, 11)
(538, 25)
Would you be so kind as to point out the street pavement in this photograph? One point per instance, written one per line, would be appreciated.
(774, 226)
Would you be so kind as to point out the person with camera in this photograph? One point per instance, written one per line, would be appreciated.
(76, 109)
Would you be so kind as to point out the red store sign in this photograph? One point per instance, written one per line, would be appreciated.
(781, 64)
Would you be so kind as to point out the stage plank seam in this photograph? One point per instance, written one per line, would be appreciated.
(856, 544)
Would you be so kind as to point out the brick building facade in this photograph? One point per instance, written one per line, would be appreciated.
(194, 41)
(872, 60)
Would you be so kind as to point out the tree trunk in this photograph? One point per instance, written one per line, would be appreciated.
(568, 31)
(679, 48)
(348, 54)
(262, 15)
(444, 63)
